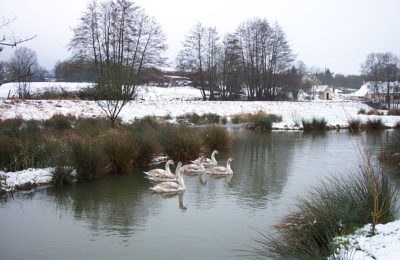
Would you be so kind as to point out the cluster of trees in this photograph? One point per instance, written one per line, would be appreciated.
(22, 68)
(256, 56)
(121, 41)
(383, 68)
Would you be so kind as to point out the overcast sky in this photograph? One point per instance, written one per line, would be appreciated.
(336, 34)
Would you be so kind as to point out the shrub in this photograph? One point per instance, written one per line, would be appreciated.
(118, 150)
(216, 138)
(87, 158)
(262, 121)
(374, 124)
(394, 112)
(240, 118)
(397, 126)
(59, 122)
(8, 152)
(336, 207)
(354, 125)
(361, 111)
(91, 126)
(180, 143)
(314, 124)
(191, 118)
(224, 120)
(61, 176)
(374, 112)
(210, 118)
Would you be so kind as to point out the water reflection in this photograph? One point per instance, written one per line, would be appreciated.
(261, 165)
(114, 206)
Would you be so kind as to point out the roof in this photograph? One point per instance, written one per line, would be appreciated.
(373, 87)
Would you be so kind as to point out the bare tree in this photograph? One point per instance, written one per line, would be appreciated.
(381, 68)
(191, 57)
(121, 41)
(11, 41)
(23, 66)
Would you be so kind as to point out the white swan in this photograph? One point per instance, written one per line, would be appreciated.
(161, 173)
(221, 170)
(194, 169)
(172, 187)
(207, 162)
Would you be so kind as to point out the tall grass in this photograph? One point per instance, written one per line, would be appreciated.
(194, 118)
(374, 124)
(261, 121)
(354, 125)
(180, 143)
(336, 207)
(61, 176)
(314, 124)
(216, 138)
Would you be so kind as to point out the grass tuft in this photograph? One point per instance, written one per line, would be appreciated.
(314, 124)
(262, 121)
(62, 175)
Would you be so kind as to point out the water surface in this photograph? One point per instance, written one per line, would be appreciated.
(119, 218)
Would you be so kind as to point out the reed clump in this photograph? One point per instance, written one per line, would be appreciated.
(315, 124)
(261, 121)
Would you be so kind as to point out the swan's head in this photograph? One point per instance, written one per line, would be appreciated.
(215, 152)
(170, 162)
(230, 159)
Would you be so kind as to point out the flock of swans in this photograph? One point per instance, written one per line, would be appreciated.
(168, 182)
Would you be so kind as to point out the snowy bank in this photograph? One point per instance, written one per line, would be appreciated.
(33, 176)
(384, 245)
(336, 113)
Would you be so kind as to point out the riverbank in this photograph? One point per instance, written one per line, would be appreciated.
(336, 113)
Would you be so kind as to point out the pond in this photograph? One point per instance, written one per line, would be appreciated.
(119, 217)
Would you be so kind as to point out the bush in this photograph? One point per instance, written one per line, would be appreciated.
(314, 124)
(61, 176)
(374, 124)
(118, 150)
(180, 143)
(59, 123)
(397, 126)
(224, 120)
(262, 121)
(191, 118)
(394, 112)
(336, 207)
(374, 112)
(216, 138)
(87, 158)
(240, 118)
(354, 125)
(361, 111)
(210, 118)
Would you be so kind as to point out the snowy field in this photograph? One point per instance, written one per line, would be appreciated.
(155, 101)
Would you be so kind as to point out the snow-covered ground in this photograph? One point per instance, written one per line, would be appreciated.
(384, 245)
(155, 101)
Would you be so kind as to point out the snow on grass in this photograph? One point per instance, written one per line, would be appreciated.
(336, 113)
(384, 245)
(37, 176)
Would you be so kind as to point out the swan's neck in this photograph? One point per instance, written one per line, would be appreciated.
(167, 167)
(228, 166)
(213, 158)
(181, 181)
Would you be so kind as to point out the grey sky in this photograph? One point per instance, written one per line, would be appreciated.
(337, 34)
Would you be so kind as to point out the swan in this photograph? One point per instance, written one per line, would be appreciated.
(221, 170)
(207, 162)
(172, 187)
(194, 169)
(161, 173)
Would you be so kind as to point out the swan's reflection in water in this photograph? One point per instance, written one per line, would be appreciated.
(180, 196)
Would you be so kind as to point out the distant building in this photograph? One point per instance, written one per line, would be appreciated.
(322, 92)
(176, 81)
(376, 92)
